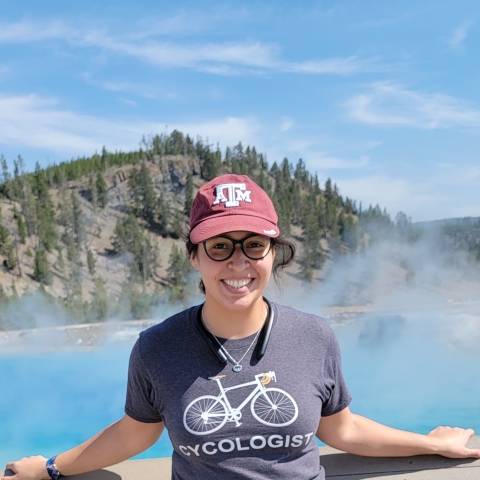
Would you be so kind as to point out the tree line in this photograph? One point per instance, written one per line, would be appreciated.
(320, 219)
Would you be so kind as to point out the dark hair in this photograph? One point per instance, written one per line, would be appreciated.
(284, 253)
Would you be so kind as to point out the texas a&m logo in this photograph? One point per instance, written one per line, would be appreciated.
(235, 193)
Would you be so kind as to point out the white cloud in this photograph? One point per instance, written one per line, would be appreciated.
(234, 58)
(130, 103)
(37, 122)
(448, 194)
(324, 162)
(459, 34)
(466, 211)
(28, 31)
(395, 194)
(286, 124)
(338, 66)
(392, 105)
(4, 70)
(137, 89)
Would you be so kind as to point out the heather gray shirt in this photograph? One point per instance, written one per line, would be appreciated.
(236, 435)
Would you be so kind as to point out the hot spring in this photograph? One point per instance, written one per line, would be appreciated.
(411, 371)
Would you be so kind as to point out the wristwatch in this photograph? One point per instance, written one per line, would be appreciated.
(52, 469)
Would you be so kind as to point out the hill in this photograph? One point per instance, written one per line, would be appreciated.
(100, 236)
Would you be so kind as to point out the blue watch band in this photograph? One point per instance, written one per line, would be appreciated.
(52, 469)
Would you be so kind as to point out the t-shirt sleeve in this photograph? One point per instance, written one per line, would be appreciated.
(140, 402)
(337, 396)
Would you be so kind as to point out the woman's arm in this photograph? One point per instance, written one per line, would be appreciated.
(358, 435)
(116, 443)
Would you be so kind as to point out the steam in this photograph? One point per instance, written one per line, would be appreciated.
(406, 315)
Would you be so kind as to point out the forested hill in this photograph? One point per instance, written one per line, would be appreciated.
(454, 233)
(102, 235)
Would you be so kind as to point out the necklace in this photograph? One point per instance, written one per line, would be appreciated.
(236, 365)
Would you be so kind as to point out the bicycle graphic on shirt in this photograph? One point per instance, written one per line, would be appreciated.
(270, 406)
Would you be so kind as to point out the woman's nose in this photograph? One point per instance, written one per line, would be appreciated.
(238, 260)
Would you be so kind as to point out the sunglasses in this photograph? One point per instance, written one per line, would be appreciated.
(255, 247)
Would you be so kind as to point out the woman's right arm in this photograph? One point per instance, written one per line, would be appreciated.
(118, 442)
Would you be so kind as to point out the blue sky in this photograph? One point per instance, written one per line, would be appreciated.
(381, 96)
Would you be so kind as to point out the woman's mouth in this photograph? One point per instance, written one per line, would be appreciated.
(237, 284)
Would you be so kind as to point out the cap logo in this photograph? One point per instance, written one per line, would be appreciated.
(236, 193)
(270, 232)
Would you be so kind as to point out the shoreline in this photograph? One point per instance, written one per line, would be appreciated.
(91, 335)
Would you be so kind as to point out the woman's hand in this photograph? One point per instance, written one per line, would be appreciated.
(451, 442)
(31, 468)
(361, 436)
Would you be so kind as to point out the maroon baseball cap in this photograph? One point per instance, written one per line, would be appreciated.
(231, 203)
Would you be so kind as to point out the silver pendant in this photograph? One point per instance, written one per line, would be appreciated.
(237, 368)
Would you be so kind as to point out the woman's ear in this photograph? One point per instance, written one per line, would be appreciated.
(193, 261)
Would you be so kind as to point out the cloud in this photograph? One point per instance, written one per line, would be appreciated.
(392, 105)
(466, 211)
(137, 89)
(440, 194)
(27, 31)
(338, 66)
(4, 71)
(459, 34)
(395, 194)
(228, 58)
(37, 122)
(286, 124)
(323, 162)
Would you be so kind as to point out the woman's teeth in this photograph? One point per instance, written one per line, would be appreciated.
(237, 283)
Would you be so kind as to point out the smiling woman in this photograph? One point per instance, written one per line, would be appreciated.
(241, 384)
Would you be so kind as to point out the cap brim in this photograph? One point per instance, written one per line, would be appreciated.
(213, 227)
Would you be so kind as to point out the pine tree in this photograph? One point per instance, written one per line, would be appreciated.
(91, 263)
(65, 217)
(313, 255)
(164, 215)
(128, 236)
(102, 190)
(8, 191)
(42, 272)
(22, 231)
(178, 267)
(27, 203)
(46, 222)
(93, 194)
(143, 192)
(78, 221)
(104, 159)
(212, 163)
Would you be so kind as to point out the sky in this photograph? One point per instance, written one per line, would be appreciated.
(382, 97)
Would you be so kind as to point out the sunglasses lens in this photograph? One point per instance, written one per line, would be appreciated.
(221, 248)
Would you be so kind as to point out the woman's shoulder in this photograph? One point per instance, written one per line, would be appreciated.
(168, 329)
(310, 323)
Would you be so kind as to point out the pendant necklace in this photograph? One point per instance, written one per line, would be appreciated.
(236, 365)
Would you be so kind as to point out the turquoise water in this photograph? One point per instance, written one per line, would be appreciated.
(413, 373)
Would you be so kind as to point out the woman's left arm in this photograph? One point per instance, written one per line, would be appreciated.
(355, 434)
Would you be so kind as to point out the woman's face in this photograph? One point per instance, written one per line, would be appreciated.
(236, 283)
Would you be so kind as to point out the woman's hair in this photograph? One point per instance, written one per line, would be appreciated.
(284, 253)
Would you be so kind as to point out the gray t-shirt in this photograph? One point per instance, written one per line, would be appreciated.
(263, 427)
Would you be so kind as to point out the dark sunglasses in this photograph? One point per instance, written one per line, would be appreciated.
(255, 247)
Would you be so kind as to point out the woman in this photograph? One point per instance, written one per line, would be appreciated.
(241, 385)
